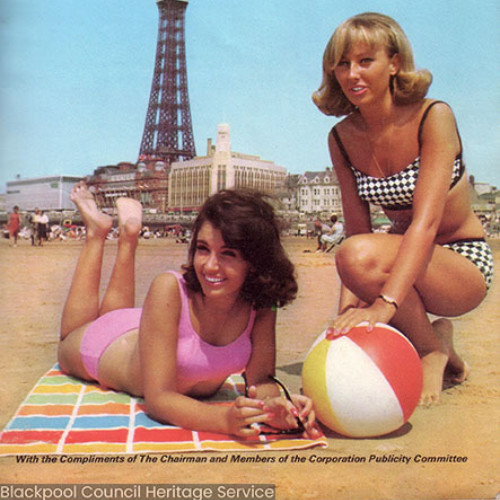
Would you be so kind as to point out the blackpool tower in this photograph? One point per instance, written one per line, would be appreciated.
(168, 131)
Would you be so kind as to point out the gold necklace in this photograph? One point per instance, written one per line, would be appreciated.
(381, 171)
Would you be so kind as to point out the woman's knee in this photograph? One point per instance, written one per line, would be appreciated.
(64, 356)
(358, 255)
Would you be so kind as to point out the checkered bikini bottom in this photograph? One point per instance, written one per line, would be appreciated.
(478, 252)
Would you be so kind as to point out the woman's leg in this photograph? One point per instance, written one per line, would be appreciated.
(82, 303)
(119, 366)
(38, 234)
(364, 263)
(121, 288)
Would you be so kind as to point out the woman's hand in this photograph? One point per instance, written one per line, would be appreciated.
(378, 312)
(304, 405)
(245, 411)
(275, 412)
(284, 414)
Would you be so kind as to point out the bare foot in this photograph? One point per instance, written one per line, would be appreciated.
(97, 223)
(129, 217)
(457, 370)
(433, 365)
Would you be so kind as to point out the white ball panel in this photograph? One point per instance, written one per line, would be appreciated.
(374, 409)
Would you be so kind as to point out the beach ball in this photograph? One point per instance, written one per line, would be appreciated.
(363, 384)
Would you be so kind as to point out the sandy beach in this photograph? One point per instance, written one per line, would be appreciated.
(34, 283)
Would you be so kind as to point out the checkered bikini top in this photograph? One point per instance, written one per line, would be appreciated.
(395, 192)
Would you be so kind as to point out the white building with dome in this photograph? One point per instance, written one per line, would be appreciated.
(192, 181)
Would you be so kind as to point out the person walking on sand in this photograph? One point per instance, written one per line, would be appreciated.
(397, 149)
(30, 226)
(194, 329)
(14, 225)
(42, 223)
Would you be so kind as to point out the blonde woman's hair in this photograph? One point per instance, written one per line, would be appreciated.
(377, 30)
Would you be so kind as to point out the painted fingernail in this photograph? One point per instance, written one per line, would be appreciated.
(294, 412)
(330, 334)
(335, 333)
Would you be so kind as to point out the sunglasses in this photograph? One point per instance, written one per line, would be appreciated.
(267, 430)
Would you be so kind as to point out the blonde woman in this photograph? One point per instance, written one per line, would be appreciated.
(402, 151)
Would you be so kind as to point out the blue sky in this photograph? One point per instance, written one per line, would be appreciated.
(76, 75)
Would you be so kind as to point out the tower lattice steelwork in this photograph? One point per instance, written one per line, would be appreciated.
(168, 131)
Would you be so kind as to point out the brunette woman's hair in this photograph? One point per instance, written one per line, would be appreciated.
(247, 223)
(376, 30)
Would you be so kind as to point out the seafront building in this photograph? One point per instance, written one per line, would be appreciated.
(145, 181)
(318, 192)
(192, 181)
(45, 193)
(288, 195)
(183, 186)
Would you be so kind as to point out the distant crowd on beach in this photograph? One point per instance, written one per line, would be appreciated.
(35, 227)
(32, 226)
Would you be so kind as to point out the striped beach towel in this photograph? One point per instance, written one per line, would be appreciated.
(63, 415)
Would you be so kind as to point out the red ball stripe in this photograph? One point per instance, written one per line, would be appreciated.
(397, 360)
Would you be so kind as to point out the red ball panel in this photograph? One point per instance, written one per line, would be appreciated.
(397, 360)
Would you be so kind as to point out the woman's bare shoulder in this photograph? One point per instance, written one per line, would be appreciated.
(436, 106)
(165, 283)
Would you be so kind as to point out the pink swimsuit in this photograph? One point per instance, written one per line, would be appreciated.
(197, 360)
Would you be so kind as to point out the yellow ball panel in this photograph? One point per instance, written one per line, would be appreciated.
(314, 385)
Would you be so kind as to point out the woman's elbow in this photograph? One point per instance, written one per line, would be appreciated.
(152, 407)
(156, 405)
